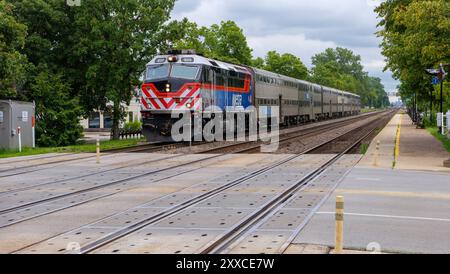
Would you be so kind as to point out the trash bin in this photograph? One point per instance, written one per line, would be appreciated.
(16, 124)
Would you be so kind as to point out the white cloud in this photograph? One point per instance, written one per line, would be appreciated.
(295, 44)
(375, 64)
(300, 27)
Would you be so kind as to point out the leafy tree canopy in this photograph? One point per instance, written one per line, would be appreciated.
(285, 64)
(113, 41)
(416, 36)
(12, 62)
(340, 68)
(225, 42)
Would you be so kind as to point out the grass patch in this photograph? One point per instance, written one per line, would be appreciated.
(106, 145)
(444, 140)
(368, 110)
(363, 148)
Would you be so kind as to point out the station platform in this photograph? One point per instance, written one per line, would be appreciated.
(401, 208)
(417, 148)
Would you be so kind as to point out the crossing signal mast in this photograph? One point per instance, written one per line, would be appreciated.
(440, 74)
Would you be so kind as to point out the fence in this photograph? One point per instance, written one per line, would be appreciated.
(130, 134)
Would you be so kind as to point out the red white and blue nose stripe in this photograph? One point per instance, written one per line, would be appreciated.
(187, 98)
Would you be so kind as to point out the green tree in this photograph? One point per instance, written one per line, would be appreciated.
(181, 35)
(113, 41)
(12, 62)
(342, 69)
(342, 60)
(285, 64)
(227, 42)
(416, 36)
(46, 81)
(258, 63)
(57, 112)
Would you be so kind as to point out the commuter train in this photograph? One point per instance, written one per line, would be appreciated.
(186, 81)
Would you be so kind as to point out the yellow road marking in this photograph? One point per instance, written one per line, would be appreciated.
(397, 141)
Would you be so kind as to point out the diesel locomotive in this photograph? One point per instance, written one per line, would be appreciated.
(186, 81)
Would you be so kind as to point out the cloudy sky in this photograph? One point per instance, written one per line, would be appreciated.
(301, 27)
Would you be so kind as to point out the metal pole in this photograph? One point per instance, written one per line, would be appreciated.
(431, 106)
(190, 131)
(442, 93)
(415, 107)
(442, 104)
(20, 139)
(33, 131)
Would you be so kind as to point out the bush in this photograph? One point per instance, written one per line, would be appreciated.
(133, 126)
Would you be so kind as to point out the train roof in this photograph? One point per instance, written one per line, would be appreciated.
(196, 59)
(190, 58)
(266, 73)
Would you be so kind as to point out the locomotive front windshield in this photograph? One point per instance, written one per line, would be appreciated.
(184, 71)
(155, 72)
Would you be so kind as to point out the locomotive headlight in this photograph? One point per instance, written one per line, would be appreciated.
(188, 105)
(172, 59)
(167, 87)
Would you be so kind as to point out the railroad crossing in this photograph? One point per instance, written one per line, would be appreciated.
(229, 198)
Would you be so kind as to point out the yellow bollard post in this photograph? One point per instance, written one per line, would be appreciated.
(98, 151)
(339, 225)
(377, 153)
(397, 144)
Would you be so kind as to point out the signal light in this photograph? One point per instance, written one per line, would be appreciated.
(172, 59)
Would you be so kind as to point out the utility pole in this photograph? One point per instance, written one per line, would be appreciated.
(431, 106)
(440, 74)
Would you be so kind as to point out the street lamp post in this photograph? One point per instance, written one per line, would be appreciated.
(440, 73)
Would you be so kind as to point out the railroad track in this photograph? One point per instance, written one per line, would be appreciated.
(254, 147)
(147, 148)
(38, 203)
(241, 227)
(2, 193)
(249, 224)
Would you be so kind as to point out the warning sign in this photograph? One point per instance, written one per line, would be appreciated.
(24, 116)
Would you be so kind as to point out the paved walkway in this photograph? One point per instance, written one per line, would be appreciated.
(418, 149)
(405, 209)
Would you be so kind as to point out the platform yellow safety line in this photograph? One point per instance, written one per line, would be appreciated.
(397, 142)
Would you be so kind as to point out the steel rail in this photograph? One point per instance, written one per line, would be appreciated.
(192, 202)
(257, 217)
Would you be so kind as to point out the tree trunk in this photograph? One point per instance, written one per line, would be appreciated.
(116, 121)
